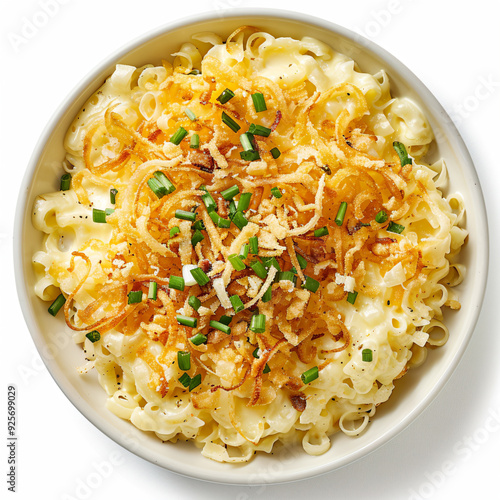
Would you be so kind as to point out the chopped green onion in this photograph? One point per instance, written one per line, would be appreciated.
(185, 379)
(57, 304)
(198, 339)
(173, 231)
(236, 262)
(177, 283)
(224, 223)
(184, 360)
(225, 96)
(258, 323)
(268, 294)
(302, 261)
(197, 237)
(250, 155)
(259, 269)
(200, 277)
(275, 152)
(310, 375)
(99, 215)
(195, 382)
(179, 135)
(266, 369)
(237, 303)
(339, 219)
(351, 297)
(322, 231)
(243, 251)
(198, 225)
(185, 215)
(230, 193)
(135, 297)
(259, 103)
(271, 261)
(225, 320)
(220, 326)
(190, 114)
(286, 276)
(402, 153)
(194, 302)
(254, 244)
(244, 201)
(112, 195)
(226, 119)
(232, 208)
(239, 220)
(255, 353)
(381, 217)
(276, 192)
(209, 202)
(109, 211)
(93, 336)
(160, 184)
(65, 182)
(246, 142)
(194, 143)
(153, 289)
(395, 228)
(187, 321)
(367, 355)
(310, 284)
(259, 130)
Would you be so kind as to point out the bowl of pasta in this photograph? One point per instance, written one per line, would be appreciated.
(251, 249)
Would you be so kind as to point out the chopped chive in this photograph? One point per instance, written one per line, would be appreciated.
(215, 217)
(180, 133)
(187, 321)
(271, 261)
(184, 360)
(220, 326)
(243, 254)
(194, 143)
(275, 152)
(198, 225)
(259, 269)
(236, 262)
(209, 202)
(395, 228)
(232, 208)
(244, 201)
(160, 184)
(239, 220)
(310, 284)
(112, 195)
(310, 375)
(225, 320)
(268, 294)
(109, 211)
(227, 120)
(93, 336)
(259, 103)
(198, 339)
(190, 114)
(99, 215)
(351, 297)
(177, 283)
(402, 153)
(255, 353)
(153, 290)
(259, 130)
(246, 142)
(286, 276)
(185, 379)
(197, 237)
(250, 155)
(322, 231)
(65, 182)
(276, 192)
(339, 219)
(194, 302)
(266, 369)
(253, 241)
(381, 217)
(230, 193)
(200, 277)
(224, 223)
(302, 261)
(195, 382)
(175, 230)
(367, 355)
(185, 215)
(135, 297)
(225, 96)
(237, 303)
(57, 304)
(258, 323)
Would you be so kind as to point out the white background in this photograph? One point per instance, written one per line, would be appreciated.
(449, 452)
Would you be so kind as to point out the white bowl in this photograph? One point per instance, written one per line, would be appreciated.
(413, 393)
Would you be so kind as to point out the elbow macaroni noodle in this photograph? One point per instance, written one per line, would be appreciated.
(329, 113)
